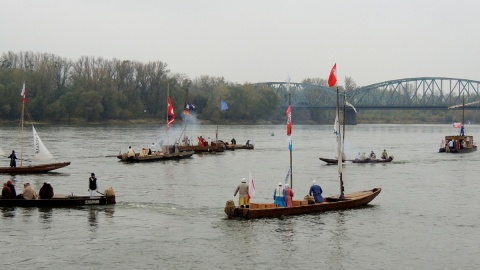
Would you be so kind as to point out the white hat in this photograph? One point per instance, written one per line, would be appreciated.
(280, 183)
(314, 182)
(244, 180)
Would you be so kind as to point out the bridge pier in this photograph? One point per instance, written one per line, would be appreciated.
(350, 116)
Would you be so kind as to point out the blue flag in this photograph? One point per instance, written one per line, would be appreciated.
(223, 105)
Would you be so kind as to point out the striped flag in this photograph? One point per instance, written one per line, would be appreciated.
(23, 94)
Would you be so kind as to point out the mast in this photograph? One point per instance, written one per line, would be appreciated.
(289, 104)
(463, 111)
(344, 121)
(21, 140)
(339, 148)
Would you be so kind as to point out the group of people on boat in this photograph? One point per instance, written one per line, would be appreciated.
(282, 195)
(28, 192)
(372, 156)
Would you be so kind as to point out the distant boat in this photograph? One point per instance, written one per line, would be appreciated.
(169, 152)
(40, 153)
(459, 143)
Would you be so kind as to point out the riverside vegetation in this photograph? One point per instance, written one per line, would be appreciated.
(97, 90)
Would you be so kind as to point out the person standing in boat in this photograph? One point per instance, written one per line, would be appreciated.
(279, 196)
(462, 131)
(316, 191)
(242, 190)
(288, 195)
(153, 148)
(92, 184)
(29, 193)
(233, 141)
(12, 188)
(46, 191)
(372, 155)
(13, 157)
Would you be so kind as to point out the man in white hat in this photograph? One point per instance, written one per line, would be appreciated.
(316, 191)
(242, 190)
(279, 196)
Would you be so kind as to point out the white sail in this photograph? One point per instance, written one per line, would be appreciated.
(41, 152)
(1, 152)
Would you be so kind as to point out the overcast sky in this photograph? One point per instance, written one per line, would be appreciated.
(257, 41)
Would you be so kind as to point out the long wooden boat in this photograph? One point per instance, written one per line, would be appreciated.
(239, 146)
(368, 160)
(333, 203)
(461, 144)
(167, 153)
(212, 148)
(62, 201)
(30, 169)
(335, 161)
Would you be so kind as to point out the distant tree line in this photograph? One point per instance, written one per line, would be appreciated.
(97, 90)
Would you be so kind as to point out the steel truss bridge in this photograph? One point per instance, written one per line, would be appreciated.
(424, 93)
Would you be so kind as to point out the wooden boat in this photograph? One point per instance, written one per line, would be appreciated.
(31, 169)
(232, 147)
(40, 153)
(332, 160)
(333, 203)
(369, 160)
(167, 153)
(108, 197)
(461, 143)
(213, 147)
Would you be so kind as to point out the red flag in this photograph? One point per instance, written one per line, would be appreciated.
(332, 79)
(289, 120)
(457, 125)
(23, 94)
(170, 114)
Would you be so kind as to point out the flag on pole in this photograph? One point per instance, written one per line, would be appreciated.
(286, 177)
(223, 105)
(332, 79)
(170, 114)
(251, 186)
(289, 140)
(289, 120)
(335, 126)
(457, 125)
(23, 94)
(349, 104)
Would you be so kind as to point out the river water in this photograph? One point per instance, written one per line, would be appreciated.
(169, 214)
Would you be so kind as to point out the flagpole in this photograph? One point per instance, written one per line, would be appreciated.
(291, 148)
(21, 149)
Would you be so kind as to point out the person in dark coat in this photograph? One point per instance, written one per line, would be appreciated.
(46, 191)
(6, 192)
(13, 157)
(12, 188)
(316, 191)
(92, 184)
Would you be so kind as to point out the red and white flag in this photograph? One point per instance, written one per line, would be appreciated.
(251, 186)
(457, 125)
(23, 94)
(289, 120)
(170, 114)
(332, 79)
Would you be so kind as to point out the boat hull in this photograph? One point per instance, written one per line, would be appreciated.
(41, 168)
(335, 161)
(352, 200)
(156, 157)
(239, 146)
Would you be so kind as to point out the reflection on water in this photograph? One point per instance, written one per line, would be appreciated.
(8, 212)
(45, 214)
(338, 240)
(92, 217)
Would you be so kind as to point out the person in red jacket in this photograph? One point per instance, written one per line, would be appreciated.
(288, 195)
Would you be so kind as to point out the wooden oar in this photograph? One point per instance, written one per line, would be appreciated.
(18, 158)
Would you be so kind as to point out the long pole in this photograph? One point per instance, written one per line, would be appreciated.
(291, 149)
(21, 141)
(339, 151)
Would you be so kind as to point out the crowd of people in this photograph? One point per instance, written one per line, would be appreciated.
(282, 195)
